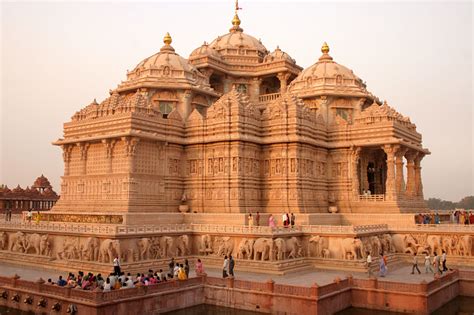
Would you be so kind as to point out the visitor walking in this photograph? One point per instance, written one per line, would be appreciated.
(369, 264)
(287, 220)
(117, 270)
(415, 264)
(38, 217)
(231, 265)
(181, 273)
(428, 267)
(436, 218)
(292, 220)
(284, 218)
(225, 267)
(443, 261)
(186, 268)
(436, 263)
(271, 221)
(199, 267)
(382, 266)
(257, 219)
(29, 215)
(250, 220)
(171, 268)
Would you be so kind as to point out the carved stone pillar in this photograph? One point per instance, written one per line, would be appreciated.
(130, 150)
(184, 106)
(227, 84)
(390, 188)
(67, 149)
(418, 183)
(255, 89)
(283, 77)
(400, 181)
(109, 149)
(207, 73)
(83, 147)
(355, 156)
(410, 188)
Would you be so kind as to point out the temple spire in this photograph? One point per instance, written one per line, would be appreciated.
(236, 19)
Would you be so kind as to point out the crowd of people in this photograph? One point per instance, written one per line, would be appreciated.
(119, 280)
(438, 263)
(288, 220)
(462, 217)
(455, 217)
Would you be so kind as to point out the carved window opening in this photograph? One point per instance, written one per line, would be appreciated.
(166, 108)
(270, 85)
(216, 82)
(242, 88)
(343, 113)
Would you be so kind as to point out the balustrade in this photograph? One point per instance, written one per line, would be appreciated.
(268, 97)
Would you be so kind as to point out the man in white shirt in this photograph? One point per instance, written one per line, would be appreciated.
(117, 266)
(369, 262)
(129, 283)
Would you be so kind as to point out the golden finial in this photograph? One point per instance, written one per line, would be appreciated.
(325, 48)
(236, 20)
(167, 39)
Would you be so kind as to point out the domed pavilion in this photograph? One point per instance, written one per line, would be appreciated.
(236, 128)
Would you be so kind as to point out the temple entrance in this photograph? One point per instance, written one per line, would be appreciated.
(372, 171)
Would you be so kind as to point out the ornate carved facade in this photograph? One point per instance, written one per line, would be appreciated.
(238, 129)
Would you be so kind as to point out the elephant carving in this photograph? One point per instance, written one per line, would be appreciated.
(316, 245)
(434, 243)
(465, 245)
(244, 251)
(144, 245)
(155, 248)
(166, 242)
(387, 243)
(108, 250)
(262, 248)
(45, 245)
(131, 253)
(448, 244)
(3, 240)
(205, 247)
(351, 248)
(89, 248)
(375, 245)
(279, 246)
(18, 242)
(225, 246)
(182, 245)
(33, 242)
(294, 248)
(405, 243)
(69, 249)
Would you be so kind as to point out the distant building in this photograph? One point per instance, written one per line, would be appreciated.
(40, 196)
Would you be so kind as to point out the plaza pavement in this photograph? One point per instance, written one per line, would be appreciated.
(300, 278)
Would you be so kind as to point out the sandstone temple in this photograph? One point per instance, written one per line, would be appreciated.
(235, 128)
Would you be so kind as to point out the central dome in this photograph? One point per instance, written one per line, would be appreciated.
(236, 42)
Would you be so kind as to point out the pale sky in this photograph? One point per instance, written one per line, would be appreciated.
(56, 57)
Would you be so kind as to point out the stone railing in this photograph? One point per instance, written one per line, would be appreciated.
(371, 228)
(433, 228)
(268, 97)
(63, 227)
(372, 198)
(111, 230)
